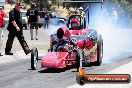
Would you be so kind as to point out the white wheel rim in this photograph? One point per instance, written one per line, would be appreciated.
(35, 59)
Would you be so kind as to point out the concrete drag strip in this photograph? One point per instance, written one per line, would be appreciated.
(19, 55)
(124, 69)
(18, 75)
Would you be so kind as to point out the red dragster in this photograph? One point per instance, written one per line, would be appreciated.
(72, 45)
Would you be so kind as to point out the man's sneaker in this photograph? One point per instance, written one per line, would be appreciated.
(1, 54)
(27, 52)
(36, 38)
(9, 53)
(32, 39)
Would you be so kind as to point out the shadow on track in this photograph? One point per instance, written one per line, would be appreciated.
(57, 70)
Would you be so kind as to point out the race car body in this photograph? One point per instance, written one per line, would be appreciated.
(72, 44)
(80, 47)
(54, 60)
(69, 47)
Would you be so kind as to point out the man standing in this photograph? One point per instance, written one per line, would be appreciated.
(81, 12)
(33, 17)
(15, 30)
(114, 14)
(83, 16)
(1, 25)
(46, 17)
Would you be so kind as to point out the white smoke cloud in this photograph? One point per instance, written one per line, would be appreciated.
(117, 40)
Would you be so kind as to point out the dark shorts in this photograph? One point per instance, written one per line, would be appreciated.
(33, 25)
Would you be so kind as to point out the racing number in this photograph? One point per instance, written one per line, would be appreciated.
(32, 12)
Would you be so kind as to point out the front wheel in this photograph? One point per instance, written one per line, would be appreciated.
(34, 58)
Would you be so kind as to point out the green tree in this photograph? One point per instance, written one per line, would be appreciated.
(124, 10)
(43, 3)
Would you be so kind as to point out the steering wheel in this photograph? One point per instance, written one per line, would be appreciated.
(59, 43)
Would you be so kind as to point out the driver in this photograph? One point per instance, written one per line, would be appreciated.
(75, 24)
(63, 33)
(58, 38)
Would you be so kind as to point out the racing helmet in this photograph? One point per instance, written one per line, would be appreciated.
(60, 33)
(75, 24)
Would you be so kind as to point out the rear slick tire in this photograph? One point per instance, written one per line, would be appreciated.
(99, 52)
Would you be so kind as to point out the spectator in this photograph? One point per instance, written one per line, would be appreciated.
(46, 17)
(33, 17)
(114, 14)
(1, 25)
(81, 12)
(15, 30)
(83, 16)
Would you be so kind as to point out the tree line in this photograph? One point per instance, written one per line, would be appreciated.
(124, 10)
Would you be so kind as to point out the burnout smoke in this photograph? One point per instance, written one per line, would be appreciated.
(117, 40)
